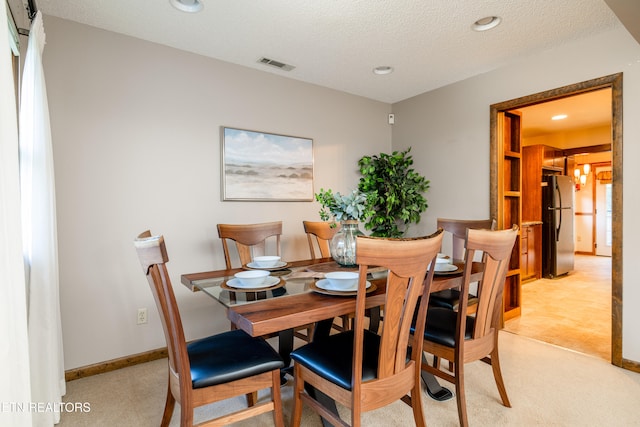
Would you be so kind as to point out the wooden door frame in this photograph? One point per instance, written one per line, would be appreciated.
(614, 82)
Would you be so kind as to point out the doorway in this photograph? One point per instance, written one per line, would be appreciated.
(615, 83)
(604, 211)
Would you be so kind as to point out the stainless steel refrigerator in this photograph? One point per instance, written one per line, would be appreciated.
(557, 225)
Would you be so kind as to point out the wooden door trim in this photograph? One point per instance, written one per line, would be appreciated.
(614, 82)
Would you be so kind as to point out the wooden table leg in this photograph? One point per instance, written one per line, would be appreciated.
(285, 347)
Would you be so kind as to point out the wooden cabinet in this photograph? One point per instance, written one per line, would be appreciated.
(530, 251)
(532, 158)
(524, 252)
(554, 160)
(537, 160)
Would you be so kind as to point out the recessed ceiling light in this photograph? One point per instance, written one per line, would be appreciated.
(191, 6)
(559, 117)
(385, 69)
(487, 23)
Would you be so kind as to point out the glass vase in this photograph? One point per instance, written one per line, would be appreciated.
(343, 243)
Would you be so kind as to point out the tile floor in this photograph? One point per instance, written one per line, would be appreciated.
(573, 311)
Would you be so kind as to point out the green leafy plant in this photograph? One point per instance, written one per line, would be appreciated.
(340, 208)
(395, 192)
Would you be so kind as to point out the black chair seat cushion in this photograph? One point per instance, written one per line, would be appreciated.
(230, 356)
(449, 298)
(441, 326)
(332, 356)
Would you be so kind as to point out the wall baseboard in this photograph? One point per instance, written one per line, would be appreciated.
(631, 365)
(112, 365)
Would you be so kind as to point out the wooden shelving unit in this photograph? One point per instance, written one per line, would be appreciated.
(510, 203)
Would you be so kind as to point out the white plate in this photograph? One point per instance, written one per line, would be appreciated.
(441, 268)
(268, 282)
(326, 285)
(277, 265)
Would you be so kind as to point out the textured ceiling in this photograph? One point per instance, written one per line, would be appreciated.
(337, 43)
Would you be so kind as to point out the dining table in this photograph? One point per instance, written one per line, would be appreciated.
(293, 300)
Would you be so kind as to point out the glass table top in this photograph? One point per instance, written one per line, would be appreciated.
(290, 282)
(282, 283)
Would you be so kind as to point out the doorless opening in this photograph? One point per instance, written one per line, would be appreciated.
(615, 83)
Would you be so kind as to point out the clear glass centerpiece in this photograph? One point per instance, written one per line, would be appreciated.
(343, 243)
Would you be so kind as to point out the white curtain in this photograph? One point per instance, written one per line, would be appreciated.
(14, 350)
(39, 233)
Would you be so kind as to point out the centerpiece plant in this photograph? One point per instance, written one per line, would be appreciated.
(394, 193)
(337, 207)
(348, 209)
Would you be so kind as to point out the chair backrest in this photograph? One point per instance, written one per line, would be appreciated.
(458, 229)
(407, 261)
(496, 248)
(321, 233)
(250, 239)
(153, 257)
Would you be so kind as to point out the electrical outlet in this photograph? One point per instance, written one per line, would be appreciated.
(142, 316)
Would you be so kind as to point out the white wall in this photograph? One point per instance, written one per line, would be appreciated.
(449, 131)
(136, 132)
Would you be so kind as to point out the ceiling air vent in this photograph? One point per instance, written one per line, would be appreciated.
(277, 64)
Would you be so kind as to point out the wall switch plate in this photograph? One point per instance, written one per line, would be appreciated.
(392, 118)
(142, 316)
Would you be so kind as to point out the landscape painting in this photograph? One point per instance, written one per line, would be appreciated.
(261, 166)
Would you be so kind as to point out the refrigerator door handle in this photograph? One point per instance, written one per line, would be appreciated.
(560, 211)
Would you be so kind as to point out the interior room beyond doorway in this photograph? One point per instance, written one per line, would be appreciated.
(550, 310)
(573, 311)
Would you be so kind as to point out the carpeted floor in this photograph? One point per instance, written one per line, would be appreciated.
(572, 311)
(547, 385)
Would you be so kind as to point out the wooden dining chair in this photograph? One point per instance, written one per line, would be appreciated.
(211, 369)
(358, 368)
(250, 239)
(460, 338)
(319, 234)
(457, 228)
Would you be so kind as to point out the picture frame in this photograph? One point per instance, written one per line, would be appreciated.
(261, 166)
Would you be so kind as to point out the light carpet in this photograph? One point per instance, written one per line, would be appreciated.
(547, 386)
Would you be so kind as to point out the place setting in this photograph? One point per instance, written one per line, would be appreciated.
(253, 281)
(271, 263)
(339, 283)
(445, 266)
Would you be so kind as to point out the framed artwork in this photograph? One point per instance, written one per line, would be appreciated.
(259, 166)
